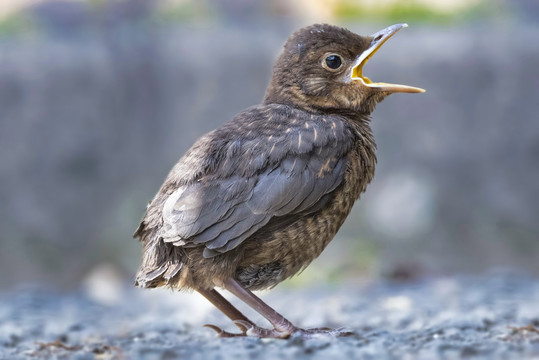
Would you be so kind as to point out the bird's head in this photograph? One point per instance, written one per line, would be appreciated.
(321, 69)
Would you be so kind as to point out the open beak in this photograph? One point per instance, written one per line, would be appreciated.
(378, 39)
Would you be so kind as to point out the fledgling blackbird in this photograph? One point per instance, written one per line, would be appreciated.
(255, 201)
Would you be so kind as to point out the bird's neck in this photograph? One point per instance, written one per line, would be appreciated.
(291, 96)
(283, 94)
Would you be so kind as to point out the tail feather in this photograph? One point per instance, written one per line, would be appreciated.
(161, 262)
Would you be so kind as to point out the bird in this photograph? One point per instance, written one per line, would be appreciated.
(255, 201)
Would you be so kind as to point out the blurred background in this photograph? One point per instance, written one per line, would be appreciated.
(98, 99)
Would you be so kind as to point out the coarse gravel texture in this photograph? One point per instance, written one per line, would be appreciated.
(493, 316)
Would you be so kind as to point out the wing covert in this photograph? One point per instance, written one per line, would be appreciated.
(255, 179)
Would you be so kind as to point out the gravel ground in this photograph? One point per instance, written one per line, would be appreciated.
(494, 316)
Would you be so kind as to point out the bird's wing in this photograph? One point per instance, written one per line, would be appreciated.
(280, 170)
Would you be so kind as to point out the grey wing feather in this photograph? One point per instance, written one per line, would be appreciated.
(227, 223)
(194, 208)
(222, 212)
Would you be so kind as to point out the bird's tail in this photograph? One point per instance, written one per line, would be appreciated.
(161, 262)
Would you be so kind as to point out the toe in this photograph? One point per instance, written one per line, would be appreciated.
(244, 325)
(222, 333)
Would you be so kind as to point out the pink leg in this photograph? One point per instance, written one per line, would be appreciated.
(229, 310)
(282, 328)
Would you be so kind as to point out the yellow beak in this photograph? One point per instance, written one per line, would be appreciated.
(378, 39)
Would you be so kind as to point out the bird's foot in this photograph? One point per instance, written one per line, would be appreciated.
(252, 330)
(222, 333)
(256, 331)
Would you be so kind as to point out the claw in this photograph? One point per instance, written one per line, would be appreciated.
(222, 333)
(244, 326)
(343, 332)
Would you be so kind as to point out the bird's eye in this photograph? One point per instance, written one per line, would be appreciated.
(332, 62)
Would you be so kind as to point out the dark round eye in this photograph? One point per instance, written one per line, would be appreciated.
(333, 61)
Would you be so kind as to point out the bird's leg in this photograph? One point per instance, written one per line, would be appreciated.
(240, 320)
(282, 328)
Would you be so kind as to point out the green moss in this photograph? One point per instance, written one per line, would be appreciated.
(409, 11)
(16, 24)
(364, 253)
(184, 12)
(357, 259)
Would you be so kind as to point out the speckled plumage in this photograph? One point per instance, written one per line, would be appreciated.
(322, 161)
(259, 198)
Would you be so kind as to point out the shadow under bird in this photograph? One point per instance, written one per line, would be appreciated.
(255, 201)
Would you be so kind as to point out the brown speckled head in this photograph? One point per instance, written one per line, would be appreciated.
(320, 70)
